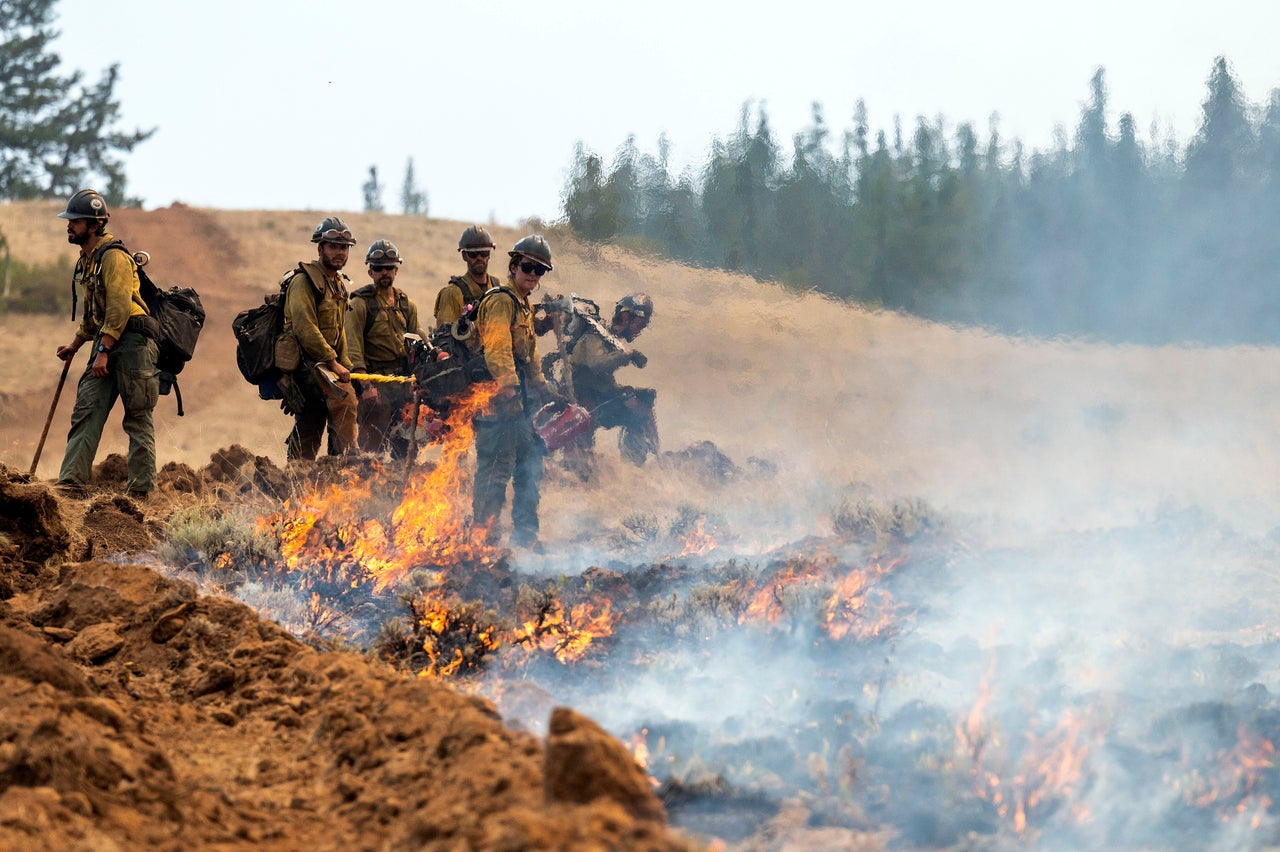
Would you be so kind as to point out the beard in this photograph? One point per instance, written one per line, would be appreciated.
(78, 239)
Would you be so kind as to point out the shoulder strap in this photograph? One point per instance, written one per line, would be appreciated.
(102, 249)
(317, 286)
(146, 287)
(501, 288)
(371, 305)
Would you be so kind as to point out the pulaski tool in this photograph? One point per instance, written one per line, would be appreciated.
(62, 380)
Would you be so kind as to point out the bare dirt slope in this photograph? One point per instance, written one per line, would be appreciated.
(139, 715)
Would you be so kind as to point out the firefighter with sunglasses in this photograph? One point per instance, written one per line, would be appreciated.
(474, 246)
(507, 449)
(379, 316)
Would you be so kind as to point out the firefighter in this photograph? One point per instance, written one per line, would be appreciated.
(593, 360)
(379, 316)
(123, 363)
(507, 448)
(312, 351)
(475, 245)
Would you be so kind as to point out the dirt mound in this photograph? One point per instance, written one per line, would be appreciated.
(136, 713)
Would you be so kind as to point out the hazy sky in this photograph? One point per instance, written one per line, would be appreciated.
(286, 104)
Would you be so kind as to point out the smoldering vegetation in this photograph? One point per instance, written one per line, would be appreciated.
(903, 676)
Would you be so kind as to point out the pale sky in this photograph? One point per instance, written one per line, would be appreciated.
(284, 104)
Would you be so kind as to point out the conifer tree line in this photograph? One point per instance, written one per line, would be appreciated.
(1107, 234)
(57, 133)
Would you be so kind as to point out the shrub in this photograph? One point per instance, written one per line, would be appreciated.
(39, 289)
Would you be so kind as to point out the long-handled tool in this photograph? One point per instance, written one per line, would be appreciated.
(62, 380)
(413, 439)
(566, 372)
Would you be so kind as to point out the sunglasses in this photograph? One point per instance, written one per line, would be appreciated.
(333, 235)
(373, 268)
(379, 254)
(534, 269)
(475, 255)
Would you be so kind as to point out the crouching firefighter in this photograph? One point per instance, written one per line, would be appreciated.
(507, 448)
(594, 357)
(380, 316)
(312, 351)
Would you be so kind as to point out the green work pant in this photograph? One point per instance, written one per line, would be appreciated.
(378, 418)
(324, 405)
(131, 377)
(507, 450)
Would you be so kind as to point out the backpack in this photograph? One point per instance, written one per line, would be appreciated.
(448, 364)
(257, 330)
(179, 317)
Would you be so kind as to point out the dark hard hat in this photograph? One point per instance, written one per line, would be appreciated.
(382, 253)
(637, 303)
(333, 230)
(475, 238)
(86, 204)
(535, 248)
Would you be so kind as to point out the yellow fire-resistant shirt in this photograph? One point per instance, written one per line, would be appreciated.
(505, 326)
(451, 299)
(315, 306)
(112, 292)
(384, 341)
(593, 363)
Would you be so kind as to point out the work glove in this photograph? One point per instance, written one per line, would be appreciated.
(292, 399)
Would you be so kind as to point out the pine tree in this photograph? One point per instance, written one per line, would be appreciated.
(413, 201)
(585, 205)
(1215, 156)
(372, 192)
(57, 134)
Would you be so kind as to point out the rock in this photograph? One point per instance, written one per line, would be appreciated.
(96, 643)
(583, 763)
(28, 658)
(219, 677)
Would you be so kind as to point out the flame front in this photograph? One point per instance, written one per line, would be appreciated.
(329, 536)
(849, 602)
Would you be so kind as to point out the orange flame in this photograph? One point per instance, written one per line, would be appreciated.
(566, 636)
(454, 636)
(1240, 768)
(847, 606)
(1048, 768)
(329, 533)
(698, 541)
(639, 748)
